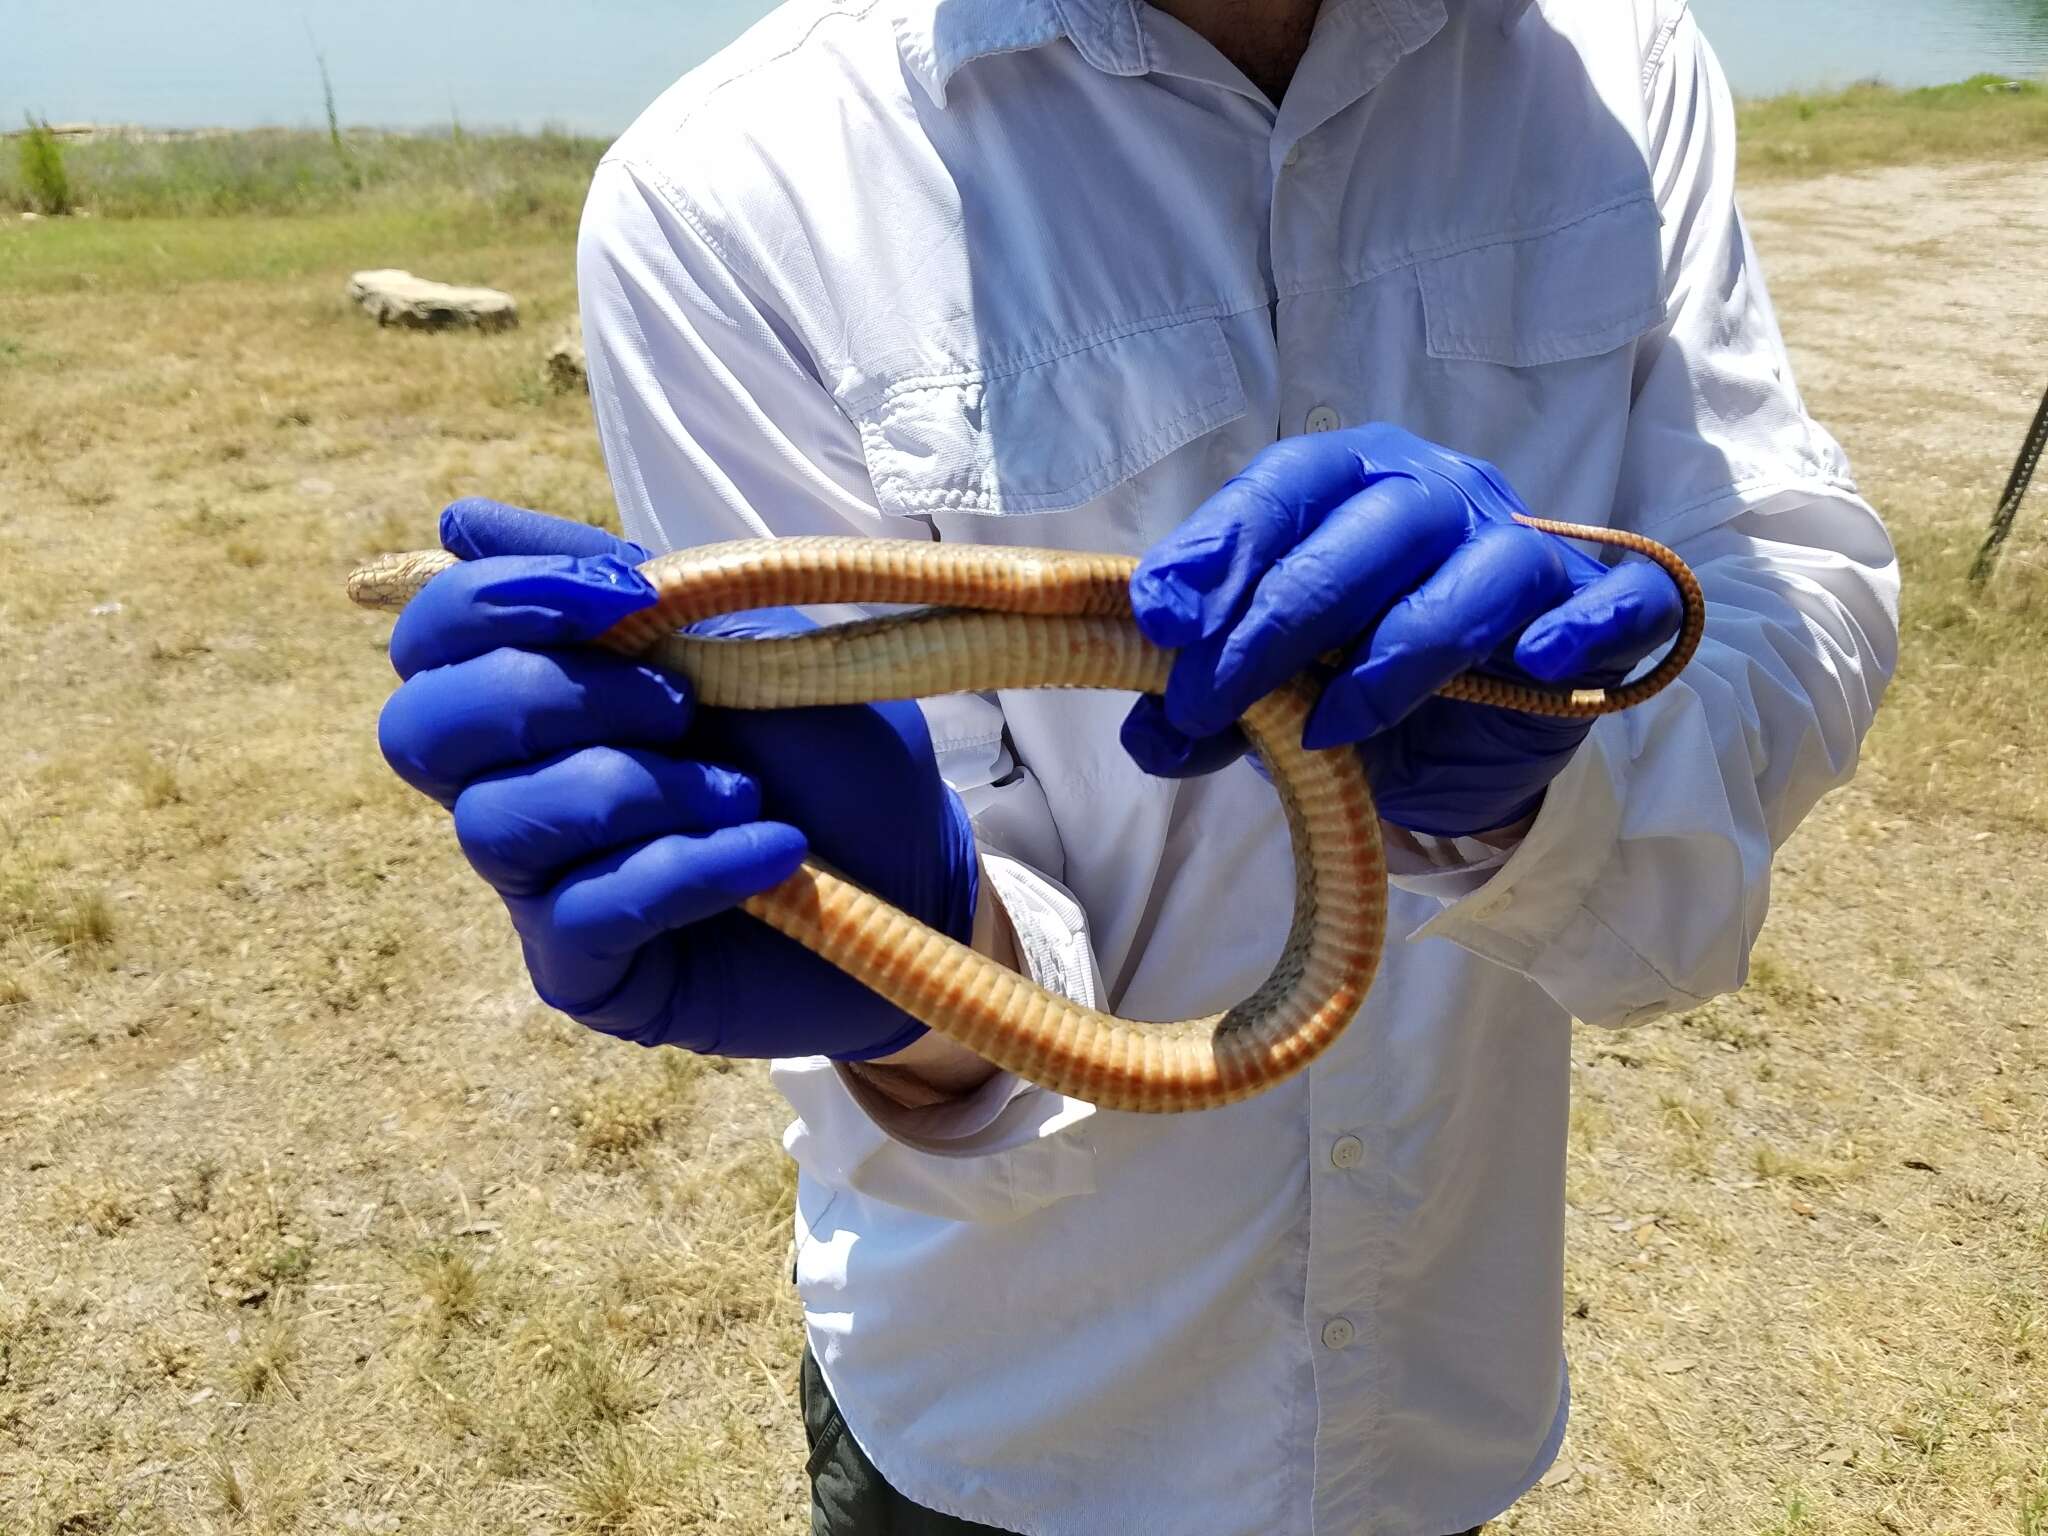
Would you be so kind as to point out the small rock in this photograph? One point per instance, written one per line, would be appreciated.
(1561, 1471)
(563, 368)
(29, 216)
(1836, 1456)
(394, 297)
(101, 610)
(199, 1397)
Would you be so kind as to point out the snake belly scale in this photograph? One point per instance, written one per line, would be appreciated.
(1029, 618)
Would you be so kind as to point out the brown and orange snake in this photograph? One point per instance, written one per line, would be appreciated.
(1040, 618)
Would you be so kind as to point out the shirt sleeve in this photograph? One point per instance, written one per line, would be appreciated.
(1643, 882)
(715, 426)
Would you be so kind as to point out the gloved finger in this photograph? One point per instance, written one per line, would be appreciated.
(1320, 595)
(754, 623)
(477, 528)
(1495, 583)
(1166, 753)
(608, 908)
(452, 724)
(837, 771)
(531, 600)
(1194, 582)
(520, 830)
(748, 991)
(733, 987)
(1604, 628)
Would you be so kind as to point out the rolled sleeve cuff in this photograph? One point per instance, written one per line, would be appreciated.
(1529, 909)
(1004, 1149)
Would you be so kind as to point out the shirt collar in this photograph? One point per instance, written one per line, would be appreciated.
(938, 37)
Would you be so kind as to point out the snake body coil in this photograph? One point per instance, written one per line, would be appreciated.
(1030, 618)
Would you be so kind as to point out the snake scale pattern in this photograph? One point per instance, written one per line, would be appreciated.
(1036, 618)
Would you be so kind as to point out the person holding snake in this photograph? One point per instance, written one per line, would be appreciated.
(1295, 331)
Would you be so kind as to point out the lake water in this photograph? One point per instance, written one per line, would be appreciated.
(593, 64)
(1769, 46)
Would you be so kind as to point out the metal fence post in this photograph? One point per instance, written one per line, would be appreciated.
(2009, 503)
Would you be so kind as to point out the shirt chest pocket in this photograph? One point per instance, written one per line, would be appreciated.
(1082, 426)
(1577, 291)
(1529, 348)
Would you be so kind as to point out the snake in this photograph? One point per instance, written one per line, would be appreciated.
(1008, 617)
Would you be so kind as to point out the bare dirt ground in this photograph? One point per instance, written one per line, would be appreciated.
(313, 1220)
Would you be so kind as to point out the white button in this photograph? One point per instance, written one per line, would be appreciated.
(1293, 154)
(1323, 419)
(1348, 1152)
(1338, 1333)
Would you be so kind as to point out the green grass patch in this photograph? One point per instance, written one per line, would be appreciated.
(1985, 117)
(540, 177)
(90, 256)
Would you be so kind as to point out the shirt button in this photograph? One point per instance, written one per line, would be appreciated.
(1323, 419)
(1338, 1333)
(1348, 1152)
(1492, 906)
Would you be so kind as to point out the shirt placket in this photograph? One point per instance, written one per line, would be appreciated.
(1355, 45)
(1346, 1158)
(1347, 1203)
(1312, 153)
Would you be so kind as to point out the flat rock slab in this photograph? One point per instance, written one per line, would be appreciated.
(392, 297)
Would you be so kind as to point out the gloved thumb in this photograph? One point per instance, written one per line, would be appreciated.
(477, 528)
(527, 601)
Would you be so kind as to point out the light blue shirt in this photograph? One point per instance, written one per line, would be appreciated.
(1047, 272)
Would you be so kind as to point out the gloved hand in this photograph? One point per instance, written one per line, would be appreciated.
(1403, 555)
(622, 825)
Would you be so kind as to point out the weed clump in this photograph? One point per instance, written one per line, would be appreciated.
(43, 176)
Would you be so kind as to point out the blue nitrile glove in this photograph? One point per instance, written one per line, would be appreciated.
(622, 825)
(1403, 556)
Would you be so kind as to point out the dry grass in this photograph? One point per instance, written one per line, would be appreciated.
(1809, 1224)
(315, 1221)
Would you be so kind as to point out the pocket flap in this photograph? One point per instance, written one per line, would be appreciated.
(1053, 432)
(1576, 291)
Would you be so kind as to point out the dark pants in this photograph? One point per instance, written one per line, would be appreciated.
(848, 1496)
